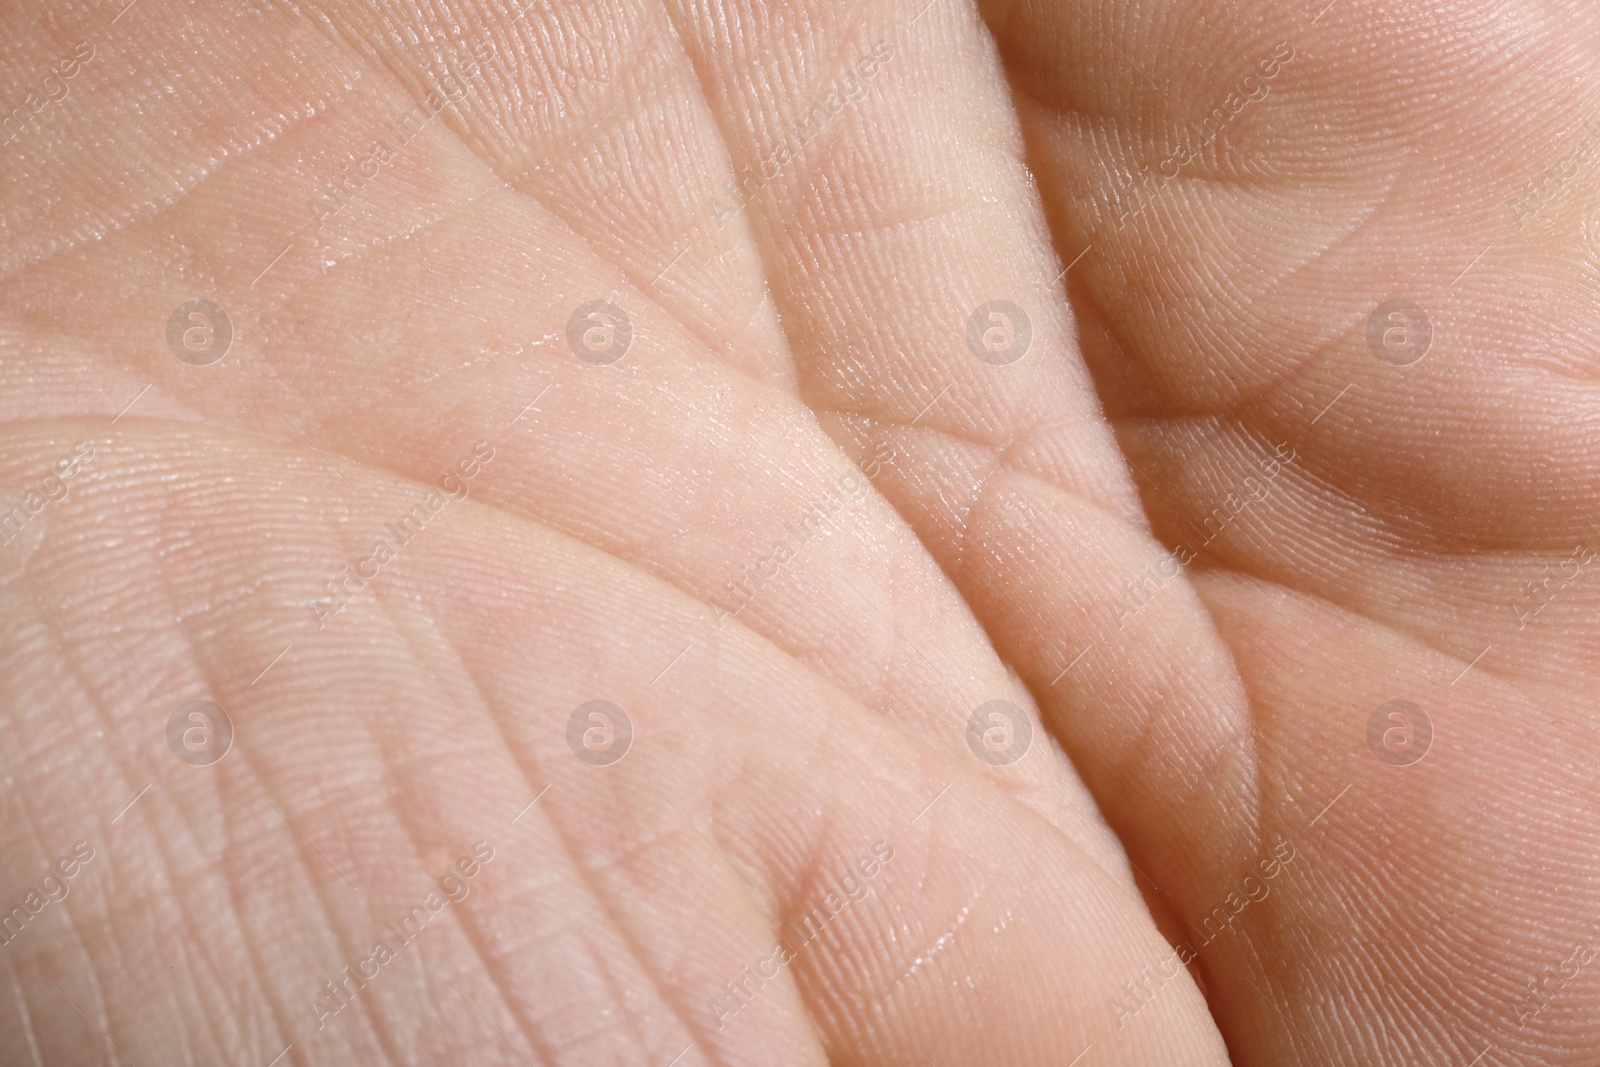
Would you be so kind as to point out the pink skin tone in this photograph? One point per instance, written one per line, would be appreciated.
(1196, 537)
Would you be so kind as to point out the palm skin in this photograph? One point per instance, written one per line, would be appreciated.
(792, 341)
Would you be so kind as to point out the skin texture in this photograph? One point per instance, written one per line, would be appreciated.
(1199, 533)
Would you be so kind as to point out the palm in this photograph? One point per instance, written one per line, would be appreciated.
(780, 339)
(1228, 314)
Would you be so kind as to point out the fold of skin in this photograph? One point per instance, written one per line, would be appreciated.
(1195, 535)
(401, 534)
(1251, 186)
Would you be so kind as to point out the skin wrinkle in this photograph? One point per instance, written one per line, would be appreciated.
(878, 695)
(1385, 626)
(1001, 465)
(1225, 758)
(1013, 437)
(583, 132)
(239, 160)
(456, 920)
(1446, 547)
(95, 968)
(98, 1000)
(398, 479)
(695, 328)
(602, 898)
(74, 665)
(936, 946)
(1025, 813)
(695, 1033)
(161, 841)
(526, 1026)
(1092, 869)
(1257, 398)
(1242, 407)
(373, 1021)
(1281, 680)
(996, 451)
(343, 939)
(19, 998)
(187, 921)
(529, 1027)
(109, 725)
(453, 213)
(1415, 632)
(784, 906)
(1089, 292)
(1045, 698)
(597, 892)
(321, 423)
(124, 221)
(270, 313)
(207, 1029)
(252, 949)
(1201, 777)
(837, 61)
(876, 224)
(28, 818)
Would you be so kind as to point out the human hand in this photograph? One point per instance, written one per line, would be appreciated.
(562, 418)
